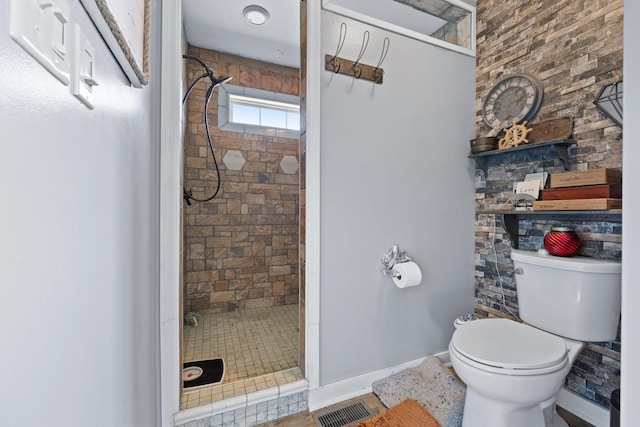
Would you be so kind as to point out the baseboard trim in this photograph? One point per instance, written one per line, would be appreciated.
(583, 408)
(340, 391)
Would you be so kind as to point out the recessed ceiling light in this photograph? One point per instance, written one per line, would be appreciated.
(255, 14)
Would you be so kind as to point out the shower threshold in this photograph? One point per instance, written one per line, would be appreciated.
(216, 393)
(245, 407)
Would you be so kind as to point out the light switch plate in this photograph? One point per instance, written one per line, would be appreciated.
(83, 68)
(42, 28)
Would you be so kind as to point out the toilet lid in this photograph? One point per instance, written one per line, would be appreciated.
(508, 344)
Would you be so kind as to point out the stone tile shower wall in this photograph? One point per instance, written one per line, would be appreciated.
(241, 248)
(574, 47)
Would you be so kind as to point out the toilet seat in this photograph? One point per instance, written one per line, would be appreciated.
(508, 347)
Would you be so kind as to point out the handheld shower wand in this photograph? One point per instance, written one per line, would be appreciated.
(215, 82)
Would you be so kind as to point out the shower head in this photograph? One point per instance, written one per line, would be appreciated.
(220, 80)
(208, 73)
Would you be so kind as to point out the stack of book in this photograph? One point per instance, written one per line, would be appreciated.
(594, 189)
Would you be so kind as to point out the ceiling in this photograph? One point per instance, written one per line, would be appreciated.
(220, 25)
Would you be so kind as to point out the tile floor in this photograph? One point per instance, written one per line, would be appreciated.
(305, 419)
(259, 348)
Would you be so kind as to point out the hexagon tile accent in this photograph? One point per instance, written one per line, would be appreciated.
(289, 165)
(234, 160)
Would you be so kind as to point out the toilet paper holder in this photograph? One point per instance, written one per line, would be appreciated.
(393, 257)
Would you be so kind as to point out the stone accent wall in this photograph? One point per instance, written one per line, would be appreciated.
(241, 248)
(574, 47)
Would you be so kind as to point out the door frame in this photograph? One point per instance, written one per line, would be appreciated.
(171, 136)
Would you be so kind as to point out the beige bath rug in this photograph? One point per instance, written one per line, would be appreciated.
(432, 385)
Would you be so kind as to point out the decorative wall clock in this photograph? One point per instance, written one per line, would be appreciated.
(516, 97)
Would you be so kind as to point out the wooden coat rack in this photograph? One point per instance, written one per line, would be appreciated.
(356, 69)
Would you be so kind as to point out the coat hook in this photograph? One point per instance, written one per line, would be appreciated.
(378, 72)
(357, 69)
(335, 63)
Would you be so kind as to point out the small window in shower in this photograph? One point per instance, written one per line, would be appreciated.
(261, 112)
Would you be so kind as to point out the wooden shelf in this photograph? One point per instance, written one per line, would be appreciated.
(559, 149)
(511, 219)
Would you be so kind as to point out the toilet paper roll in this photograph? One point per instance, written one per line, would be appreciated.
(407, 274)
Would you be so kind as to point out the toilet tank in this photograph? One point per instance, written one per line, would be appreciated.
(574, 297)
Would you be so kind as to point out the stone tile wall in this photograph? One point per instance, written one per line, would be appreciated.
(241, 248)
(574, 47)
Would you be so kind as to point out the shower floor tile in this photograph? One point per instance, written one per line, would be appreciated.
(252, 342)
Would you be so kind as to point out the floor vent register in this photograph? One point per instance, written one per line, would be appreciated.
(338, 416)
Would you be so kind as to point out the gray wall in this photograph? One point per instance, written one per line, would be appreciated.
(394, 169)
(78, 244)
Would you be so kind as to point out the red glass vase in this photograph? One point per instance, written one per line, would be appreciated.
(562, 241)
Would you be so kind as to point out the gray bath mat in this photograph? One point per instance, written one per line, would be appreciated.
(432, 385)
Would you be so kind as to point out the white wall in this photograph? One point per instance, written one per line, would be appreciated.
(78, 237)
(393, 170)
(630, 378)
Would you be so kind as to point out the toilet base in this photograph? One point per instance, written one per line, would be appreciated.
(551, 417)
(557, 421)
(481, 412)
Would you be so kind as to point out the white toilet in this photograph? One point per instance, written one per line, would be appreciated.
(513, 371)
